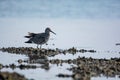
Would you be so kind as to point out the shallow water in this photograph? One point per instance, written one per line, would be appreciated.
(96, 34)
(39, 73)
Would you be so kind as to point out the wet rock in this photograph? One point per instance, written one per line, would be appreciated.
(27, 66)
(72, 50)
(1, 66)
(20, 61)
(119, 76)
(48, 52)
(69, 61)
(82, 50)
(2, 77)
(11, 76)
(89, 67)
(45, 66)
(83, 69)
(63, 75)
(92, 51)
(12, 66)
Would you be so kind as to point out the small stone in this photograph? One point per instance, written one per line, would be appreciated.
(20, 61)
(1, 66)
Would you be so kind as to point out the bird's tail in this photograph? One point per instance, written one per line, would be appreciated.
(30, 35)
(28, 41)
(27, 36)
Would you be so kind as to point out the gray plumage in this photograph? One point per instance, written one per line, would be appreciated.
(39, 38)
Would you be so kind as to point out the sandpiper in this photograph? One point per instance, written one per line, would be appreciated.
(39, 38)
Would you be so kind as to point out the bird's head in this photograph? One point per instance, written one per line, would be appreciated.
(47, 30)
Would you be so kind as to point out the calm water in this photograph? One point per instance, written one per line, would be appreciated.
(87, 24)
(60, 9)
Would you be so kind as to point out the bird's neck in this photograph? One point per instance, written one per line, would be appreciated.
(47, 32)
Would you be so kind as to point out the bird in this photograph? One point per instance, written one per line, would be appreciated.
(39, 38)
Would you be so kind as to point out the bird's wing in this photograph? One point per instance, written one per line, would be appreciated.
(41, 35)
(32, 34)
(38, 38)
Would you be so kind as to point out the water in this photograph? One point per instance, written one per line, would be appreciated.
(84, 24)
(80, 33)
(60, 9)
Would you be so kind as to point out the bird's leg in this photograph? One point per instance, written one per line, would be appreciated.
(37, 46)
(40, 46)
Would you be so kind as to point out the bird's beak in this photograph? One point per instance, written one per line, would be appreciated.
(53, 32)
